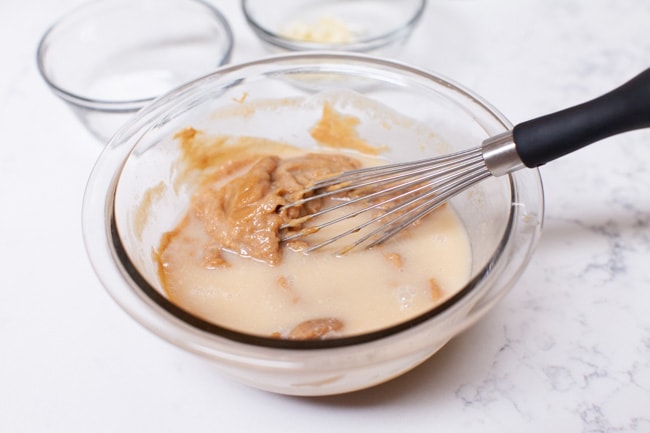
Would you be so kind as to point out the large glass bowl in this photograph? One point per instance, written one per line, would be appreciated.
(503, 216)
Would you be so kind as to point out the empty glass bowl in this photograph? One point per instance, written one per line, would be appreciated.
(378, 27)
(109, 58)
(134, 196)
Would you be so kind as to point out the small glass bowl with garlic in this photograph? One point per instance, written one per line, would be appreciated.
(378, 27)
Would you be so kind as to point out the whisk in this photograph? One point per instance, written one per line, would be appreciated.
(397, 195)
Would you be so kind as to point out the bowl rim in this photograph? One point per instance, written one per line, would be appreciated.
(359, 46)
(109, 105)
(147, 293)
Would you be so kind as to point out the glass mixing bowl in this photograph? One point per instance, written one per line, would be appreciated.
(108, 58)
(123, 221)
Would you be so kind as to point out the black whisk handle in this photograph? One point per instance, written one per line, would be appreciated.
(546, 138)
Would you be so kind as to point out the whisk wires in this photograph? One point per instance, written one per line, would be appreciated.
(391, 197)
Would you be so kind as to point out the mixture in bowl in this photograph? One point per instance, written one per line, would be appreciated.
(225, 261)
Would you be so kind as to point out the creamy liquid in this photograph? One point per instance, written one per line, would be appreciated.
(364, 290)
(282, 294)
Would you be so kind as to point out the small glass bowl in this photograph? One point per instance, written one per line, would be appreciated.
(109, 58)
(133, 197)
(378, 27)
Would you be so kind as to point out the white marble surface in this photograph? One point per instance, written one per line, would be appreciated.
(567, 350)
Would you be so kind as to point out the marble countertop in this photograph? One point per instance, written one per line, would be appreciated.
(568, 349)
